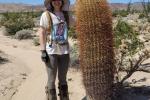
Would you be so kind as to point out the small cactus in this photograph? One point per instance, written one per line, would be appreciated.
(94, 28)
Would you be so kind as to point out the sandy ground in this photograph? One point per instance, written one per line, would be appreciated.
(24, 76)
(25, 59)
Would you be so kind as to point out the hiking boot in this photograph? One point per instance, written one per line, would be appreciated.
(50, 94)
(63, 92)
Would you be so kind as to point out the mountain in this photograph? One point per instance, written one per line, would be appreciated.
(121, 6)
(11, 7)
(118, 6)
(19, 7)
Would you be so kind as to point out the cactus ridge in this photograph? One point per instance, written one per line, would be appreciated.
(94, 27)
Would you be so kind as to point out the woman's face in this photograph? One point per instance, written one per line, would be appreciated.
(56, 4)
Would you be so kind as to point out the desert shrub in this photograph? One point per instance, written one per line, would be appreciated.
(128, 46)
(4, 31)
(123, 31)
(146, 9)
(115, 13)
(33, 14)
(129, 7)
(36, 41)
(142, 15)
(23, 34)
(122, 13)
(74, 55)
(72, 33)
(37, 14)
(135, 11)
(130, 55)
(17, 21)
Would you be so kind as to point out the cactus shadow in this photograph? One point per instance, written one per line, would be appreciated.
(135, 93)
(132, 93)
(3, 60)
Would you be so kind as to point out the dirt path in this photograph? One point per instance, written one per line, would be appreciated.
(33, 87)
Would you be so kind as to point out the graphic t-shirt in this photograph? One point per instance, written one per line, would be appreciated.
(58, 34)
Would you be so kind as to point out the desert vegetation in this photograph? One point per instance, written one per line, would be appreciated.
(131, 30)
(130, 49)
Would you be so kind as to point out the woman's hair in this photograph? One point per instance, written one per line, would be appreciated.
(66, 16)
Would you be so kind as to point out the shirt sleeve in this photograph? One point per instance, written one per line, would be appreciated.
(44, 21)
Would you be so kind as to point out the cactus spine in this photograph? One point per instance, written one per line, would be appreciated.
(94, 27)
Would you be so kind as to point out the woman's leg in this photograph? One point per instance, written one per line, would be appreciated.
(52, 71)
(63, 64)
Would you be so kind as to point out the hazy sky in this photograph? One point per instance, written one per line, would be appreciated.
(72, 1)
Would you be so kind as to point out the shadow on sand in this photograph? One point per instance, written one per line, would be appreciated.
(136, 93)
(3, 60)
(133, 93)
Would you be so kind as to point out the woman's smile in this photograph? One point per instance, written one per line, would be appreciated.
(57, 3)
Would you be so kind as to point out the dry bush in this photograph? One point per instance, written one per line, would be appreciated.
(24, 34)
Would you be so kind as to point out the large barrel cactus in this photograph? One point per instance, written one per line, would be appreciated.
(94, 27)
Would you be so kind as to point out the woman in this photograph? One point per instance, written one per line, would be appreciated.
(53, 34)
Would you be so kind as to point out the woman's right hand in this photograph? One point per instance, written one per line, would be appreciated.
(44, 56)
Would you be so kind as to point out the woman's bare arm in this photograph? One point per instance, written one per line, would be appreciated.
(42, 38)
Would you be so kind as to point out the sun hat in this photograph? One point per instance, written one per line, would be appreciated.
(65, 6)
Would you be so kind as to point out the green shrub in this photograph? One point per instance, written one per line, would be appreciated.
(17, 21)
(72, 33)
(115, 13)
(23, 34)
(123, 31)
(122, 13)
(142, 15)
(146, 9)
(36, 41)
(33, 14)
(36, 14)
(74, 55)
(129, 7)
(4, 31)
(134, 11)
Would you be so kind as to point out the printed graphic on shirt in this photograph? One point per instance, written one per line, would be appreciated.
(60, 31)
